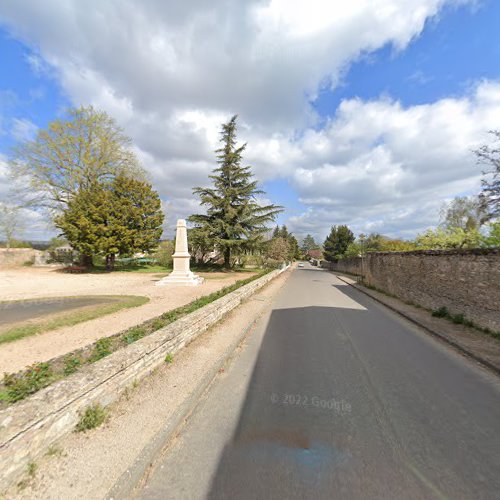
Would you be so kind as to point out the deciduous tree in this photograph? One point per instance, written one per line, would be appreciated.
(489, 155)
(445, 239)
(464, 212)
(10, 222)
(278, 249)
(84, 149)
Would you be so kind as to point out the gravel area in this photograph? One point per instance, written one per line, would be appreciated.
(30, 283)
(86, 465)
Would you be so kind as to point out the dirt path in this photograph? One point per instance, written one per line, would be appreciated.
(37, 282)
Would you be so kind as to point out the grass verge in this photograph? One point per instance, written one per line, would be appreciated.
(74, 317)
(39, 375)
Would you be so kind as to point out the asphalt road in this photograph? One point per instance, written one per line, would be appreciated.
(335, 396)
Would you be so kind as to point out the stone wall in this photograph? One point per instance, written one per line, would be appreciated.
(464, 281)
(15, 257)
(30, 427)
(349, 266)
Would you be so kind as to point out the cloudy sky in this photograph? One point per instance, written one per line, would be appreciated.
(361, 112)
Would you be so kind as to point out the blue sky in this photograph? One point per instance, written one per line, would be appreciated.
(25, 92)
(316, 156)
(453, 52)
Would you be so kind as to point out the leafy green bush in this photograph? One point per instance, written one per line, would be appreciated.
(163, 256)
(442, 312)
(93, 417)
(19, 244)
(458, 318)
(29, 381)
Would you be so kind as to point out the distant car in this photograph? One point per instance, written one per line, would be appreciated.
(301, 264)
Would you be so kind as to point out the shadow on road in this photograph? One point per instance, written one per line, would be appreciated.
(337, 407)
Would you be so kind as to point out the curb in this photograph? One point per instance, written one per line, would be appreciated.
(133, 476)
(463, 350)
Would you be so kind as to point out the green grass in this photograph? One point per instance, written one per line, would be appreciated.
(156, 268)
(21, 385)
(102, 348)
(442, 312)
(147, 268)
(71, 365)
(73, 318)
(461, 319)
(32, 468)
(93, 417)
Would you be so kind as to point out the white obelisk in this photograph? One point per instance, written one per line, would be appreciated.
(181, 275)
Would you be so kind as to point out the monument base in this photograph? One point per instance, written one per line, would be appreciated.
(181, 278)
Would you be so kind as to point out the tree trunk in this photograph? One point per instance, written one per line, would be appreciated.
(227, 258)
(110, 262)
(86, 260)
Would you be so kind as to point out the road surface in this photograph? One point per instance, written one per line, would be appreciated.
(335, 396)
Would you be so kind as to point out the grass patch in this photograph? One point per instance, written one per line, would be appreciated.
(35, 377)
(54, 451)
(73, 318)
(442, 312)
(32, 468)
(93, 417)
(461, 319)
(169, 358)
(136, 268)
(132, 267)
(102, 348)
(71, 365)
(135, 334)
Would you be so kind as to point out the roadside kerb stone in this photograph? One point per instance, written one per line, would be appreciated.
(30, 427)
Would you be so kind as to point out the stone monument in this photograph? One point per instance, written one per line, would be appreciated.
(181, 275)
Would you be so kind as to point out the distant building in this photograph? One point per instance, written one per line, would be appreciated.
(316, 254)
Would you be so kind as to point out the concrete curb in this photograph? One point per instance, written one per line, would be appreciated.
(463, 350)
(132, 477)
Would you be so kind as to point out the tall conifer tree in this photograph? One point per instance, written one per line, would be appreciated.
(234, 220)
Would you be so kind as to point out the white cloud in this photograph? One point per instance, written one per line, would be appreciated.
(379, 164)
(171, 72)
(23, 129)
